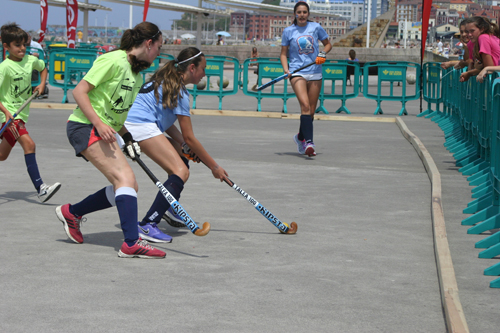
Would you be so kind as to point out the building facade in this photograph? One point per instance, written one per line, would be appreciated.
(351, 10)
(268, 26)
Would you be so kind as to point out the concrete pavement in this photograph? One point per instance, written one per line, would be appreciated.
(362, 259)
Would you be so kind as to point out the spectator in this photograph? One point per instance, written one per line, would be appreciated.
(352, 56)
(254, 55)
(439, 46)
(220, 41)
(484, 34)
(463, 50)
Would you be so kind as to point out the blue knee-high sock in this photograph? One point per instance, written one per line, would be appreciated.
(126, 203)
(102, 199)
(174, 185)
(32, 167)
(300, 136)
(306, 127)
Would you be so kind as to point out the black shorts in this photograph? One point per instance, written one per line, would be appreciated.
(81, 136)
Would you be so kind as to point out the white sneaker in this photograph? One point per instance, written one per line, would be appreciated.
(46, 192)
(300, 144)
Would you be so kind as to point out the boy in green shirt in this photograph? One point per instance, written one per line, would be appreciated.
(15, 88)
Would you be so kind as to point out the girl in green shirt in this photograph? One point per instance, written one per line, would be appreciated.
(104, 97)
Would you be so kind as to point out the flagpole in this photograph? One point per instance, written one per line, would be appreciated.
(130, 17)
(368, 23)
(85, 24)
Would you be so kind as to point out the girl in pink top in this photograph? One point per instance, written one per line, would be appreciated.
(484, 34)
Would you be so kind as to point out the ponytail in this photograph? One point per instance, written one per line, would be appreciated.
(169, 77)
(133, 38)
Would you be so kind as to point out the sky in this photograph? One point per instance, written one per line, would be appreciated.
(27, 15)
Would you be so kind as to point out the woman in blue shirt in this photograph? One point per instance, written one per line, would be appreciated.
(300, 42)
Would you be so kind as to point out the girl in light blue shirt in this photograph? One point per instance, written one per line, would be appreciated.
(160, 103)
(300, 42)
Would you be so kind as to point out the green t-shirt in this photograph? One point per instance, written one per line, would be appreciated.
(115, 88)
(15, 84)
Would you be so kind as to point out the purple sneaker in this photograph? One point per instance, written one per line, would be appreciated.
(151, 233)
(173, 219)
(310, 149)
(300, 144)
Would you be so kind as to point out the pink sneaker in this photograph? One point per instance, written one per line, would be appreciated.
(141, 249)
(71, 223)
(310, 151)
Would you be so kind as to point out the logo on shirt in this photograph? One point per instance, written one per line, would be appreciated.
(19, 85)
(305, 44)
(122, 97)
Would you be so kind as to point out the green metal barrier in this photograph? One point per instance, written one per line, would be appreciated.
(41, 56)
(68, 66)
(432, 92)
(215, 69)
(269, 68)
(156, 64)
(392, 72)
(471, 123)
(491, 214)
(337, 70)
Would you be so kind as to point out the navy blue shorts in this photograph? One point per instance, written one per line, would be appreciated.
(81, 136)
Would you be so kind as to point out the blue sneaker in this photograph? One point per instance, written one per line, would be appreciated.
(301, 145)
(173, 219)
(151, 233)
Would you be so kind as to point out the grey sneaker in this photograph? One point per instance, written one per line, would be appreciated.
(300, 144)
(46, 191)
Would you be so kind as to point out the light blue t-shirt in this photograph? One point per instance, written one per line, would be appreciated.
(303, 46)
(147, 110)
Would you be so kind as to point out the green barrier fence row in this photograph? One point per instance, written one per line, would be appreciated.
(268, 68)
(471, 123)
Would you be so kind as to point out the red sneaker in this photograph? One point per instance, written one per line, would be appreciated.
(141, 249)
(71, 223)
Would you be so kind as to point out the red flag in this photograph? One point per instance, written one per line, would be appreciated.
(44, 12)
(426, 14)
(145, 13)
(71, 21)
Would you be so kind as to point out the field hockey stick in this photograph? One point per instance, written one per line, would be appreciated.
(19, 111)
(282, 227)
(176, 206)
(442, 77)
(284, 76)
